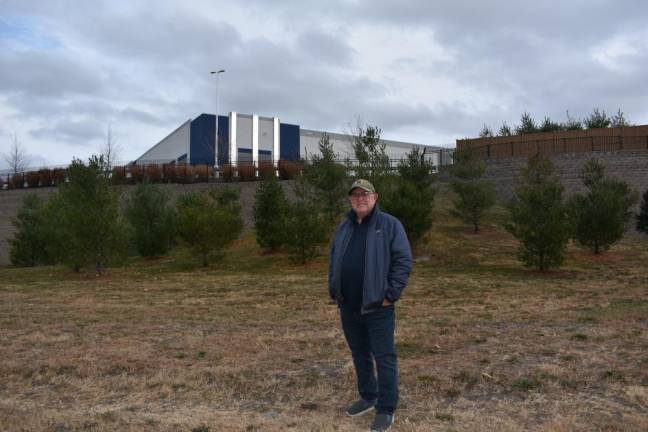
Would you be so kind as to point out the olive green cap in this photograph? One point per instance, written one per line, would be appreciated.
(362, 184)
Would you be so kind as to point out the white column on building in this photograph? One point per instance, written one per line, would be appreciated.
(275, 140)
(255, 140)
(232, 139)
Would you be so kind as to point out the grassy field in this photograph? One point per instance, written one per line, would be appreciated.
(252, 343)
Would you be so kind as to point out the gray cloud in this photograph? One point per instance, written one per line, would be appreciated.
(70, 67)
(324, 48)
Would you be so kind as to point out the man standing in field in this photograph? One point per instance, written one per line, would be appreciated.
(369, 266)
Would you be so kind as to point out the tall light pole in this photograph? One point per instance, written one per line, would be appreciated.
(217, 73)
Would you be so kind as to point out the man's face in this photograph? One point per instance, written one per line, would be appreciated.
(362, 201)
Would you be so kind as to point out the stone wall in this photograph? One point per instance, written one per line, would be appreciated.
(631, 166)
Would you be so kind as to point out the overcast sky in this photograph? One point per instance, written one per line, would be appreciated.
(424, 71)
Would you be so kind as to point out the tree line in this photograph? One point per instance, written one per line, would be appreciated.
(598, 119)
(89, 223)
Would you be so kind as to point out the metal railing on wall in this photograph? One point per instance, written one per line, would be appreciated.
(185, 173)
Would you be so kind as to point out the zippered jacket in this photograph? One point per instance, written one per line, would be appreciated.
(388, 260)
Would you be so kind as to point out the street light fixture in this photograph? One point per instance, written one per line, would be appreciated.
(217, 73)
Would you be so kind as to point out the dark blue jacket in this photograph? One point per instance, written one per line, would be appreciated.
(388, 260)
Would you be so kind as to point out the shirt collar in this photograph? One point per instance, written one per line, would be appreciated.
(354, 218)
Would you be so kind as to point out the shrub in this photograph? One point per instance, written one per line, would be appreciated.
(17, 181)
(266, 170)
(28, 243)
(642, 216)
(45, 177)
(169, 172)
(410, 196)
(209, 222)
(270, 214)
(90, 216)
(538, 216)
(184, 174)
(59, 175)
(136, 173)
(118, 174)
(289, 170)
(474, 194)
(32, 178)
(329, 180)
(226, 172)
(246, 171)
(306, 227)
(153, 173)
(600, 215)
(153, 219)
(201, 173)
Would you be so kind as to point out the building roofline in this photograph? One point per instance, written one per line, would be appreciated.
(162, 140)
(393, 143)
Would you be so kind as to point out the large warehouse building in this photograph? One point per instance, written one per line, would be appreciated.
(252, 138)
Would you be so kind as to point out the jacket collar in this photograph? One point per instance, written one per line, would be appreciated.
(371, 217)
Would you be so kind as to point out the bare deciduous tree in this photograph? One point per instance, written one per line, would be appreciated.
(17, 157)
(110, 150)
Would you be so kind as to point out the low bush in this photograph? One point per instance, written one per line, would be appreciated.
(119, 174)
(226, 172)
(45, 177)
(184, 174)
(154, 173)
(201, 173)
(266, 170)
(17, 181)
(58, 176)
(169, 172)
(289, 169)
(246, 172)
(136, 174)
(32, 178)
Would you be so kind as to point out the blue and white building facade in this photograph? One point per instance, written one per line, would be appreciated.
(245, 138)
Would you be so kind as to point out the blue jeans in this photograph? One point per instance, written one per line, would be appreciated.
(371, 338)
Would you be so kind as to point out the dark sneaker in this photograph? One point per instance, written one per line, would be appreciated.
(360, 407)
(382, 422)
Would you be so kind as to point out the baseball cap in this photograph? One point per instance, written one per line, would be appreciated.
(362, 184)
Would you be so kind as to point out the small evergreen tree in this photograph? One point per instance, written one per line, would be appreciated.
(601, 214)
(475, 195)
(549, 126)
(59, 240)
(270, 214)
(153, 218)
(329, 180)
(527, 125)
(505, 130)
(89, 215)
(619, 120)
(598, 120)
(307, 228)
(486, 132)
(410, 195)
(209, 221)
(538, 216)
(28, 246)
(642, 216)
(372, 159)
(572, 123)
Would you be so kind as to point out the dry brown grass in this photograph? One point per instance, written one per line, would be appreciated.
(253, 345)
